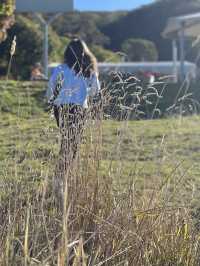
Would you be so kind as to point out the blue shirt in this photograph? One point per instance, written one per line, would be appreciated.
(75, 88)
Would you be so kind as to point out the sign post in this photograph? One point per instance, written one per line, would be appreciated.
(55, 7)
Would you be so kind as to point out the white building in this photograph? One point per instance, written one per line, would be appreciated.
(162, 68)
(178, 29)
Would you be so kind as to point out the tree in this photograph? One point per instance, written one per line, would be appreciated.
(29, 49)
(104, 55)
(148, 22)
(6, 17)
(140, 50)
(83, 25)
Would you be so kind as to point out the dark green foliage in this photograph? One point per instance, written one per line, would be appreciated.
(6, 17)
(30, 44)
(137, 99)
(86, 25)
(148, 22)
(29, 47)
(110, 30)
(104, 55)
(139, 50)
(82, 25)
(6, 8)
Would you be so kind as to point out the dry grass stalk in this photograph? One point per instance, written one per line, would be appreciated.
(101, 221)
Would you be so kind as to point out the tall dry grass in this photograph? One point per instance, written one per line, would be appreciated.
(93, 217)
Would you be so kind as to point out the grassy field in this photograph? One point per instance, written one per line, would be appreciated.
(147, 150)
(158, 159)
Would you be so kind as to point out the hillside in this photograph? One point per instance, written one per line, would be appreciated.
(87, 25)
(149, 22)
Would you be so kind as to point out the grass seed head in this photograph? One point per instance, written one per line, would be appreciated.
(13, 46)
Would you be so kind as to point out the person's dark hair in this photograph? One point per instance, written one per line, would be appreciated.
(79, 58)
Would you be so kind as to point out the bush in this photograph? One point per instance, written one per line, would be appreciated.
(6, 18)
(29, 47)
(140, 50)
(104, 55)
(6, 7)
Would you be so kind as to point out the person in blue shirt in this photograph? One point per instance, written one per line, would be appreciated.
(69, 88)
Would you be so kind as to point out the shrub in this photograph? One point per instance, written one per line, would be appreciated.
(30, 47)
(6, 17)
(104, 55)
(140, 50)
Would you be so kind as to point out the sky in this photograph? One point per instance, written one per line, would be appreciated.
(109, 5)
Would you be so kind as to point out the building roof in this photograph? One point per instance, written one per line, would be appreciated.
(190, 22)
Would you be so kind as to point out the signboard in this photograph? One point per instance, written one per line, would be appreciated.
(44, 6)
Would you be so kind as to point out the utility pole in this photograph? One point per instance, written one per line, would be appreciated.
(45, 25)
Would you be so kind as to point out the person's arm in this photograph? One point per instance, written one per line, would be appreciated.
(94, 85)
(52, 85)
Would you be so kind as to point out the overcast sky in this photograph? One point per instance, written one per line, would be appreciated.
(109, 5)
